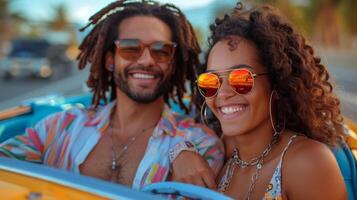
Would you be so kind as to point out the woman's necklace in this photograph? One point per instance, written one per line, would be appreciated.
(235, 160)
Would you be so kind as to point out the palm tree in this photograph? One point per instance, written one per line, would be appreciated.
(9, 23)
(3, 8)
(60, 22)
(326, 26)
(4, 17)
(9, 20)
(318, 19)
(325, 21)
(348, 8)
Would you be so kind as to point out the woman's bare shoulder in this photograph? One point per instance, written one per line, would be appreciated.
(310, 169)
(304, 151)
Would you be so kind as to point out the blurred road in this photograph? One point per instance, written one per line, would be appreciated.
(15, 87)
(15, 91)
(342, 67)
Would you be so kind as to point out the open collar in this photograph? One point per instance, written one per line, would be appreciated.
(100, 119)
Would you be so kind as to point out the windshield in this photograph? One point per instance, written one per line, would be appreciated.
(29, 48)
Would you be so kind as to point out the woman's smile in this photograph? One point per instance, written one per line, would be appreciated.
(232, 111)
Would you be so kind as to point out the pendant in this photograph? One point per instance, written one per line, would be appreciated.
(114, 165)
(259, 166)
(114, 175)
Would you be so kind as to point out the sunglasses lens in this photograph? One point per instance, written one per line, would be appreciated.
(162, 52)
(241, 81)
(208, 84)
(129, 49)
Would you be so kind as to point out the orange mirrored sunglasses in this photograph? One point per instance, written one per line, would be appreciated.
(241, 81)
(132, 49)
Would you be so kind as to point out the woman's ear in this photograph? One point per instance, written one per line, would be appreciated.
(109, 61)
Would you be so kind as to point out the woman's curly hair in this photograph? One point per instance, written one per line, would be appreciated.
(101, 39)
(301, 81)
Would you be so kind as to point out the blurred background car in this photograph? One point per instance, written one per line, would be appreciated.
(27, 57)
(34, 57)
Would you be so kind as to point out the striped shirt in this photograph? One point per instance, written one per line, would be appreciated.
(65, 139)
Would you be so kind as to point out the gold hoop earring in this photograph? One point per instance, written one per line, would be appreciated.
(276, 131)
(204, 113)
(110, 77)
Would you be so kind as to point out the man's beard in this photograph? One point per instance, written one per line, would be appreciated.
(161, 88)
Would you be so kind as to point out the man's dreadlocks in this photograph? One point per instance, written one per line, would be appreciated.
(101, 40)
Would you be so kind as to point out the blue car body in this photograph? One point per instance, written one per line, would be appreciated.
(42, 107)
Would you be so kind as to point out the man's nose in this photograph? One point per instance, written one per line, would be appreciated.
(146, 58)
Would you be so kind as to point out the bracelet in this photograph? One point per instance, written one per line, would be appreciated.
(182, 146)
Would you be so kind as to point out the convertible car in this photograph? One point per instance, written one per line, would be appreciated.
(23, 180)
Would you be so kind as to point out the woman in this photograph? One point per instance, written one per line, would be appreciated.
(275, 107)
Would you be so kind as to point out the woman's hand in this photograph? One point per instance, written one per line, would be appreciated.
(190, 167)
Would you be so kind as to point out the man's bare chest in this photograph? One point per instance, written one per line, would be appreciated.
(98, 163)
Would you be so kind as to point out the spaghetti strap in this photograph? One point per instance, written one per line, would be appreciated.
(273, 190)
(288, 145)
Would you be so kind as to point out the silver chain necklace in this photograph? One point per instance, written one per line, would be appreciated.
(115, 157)
(235, 160)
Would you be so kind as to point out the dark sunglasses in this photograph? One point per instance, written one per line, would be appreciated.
(241, 81)
(132, 49)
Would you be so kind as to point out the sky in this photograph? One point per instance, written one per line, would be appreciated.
(80, 10)
(199, 12)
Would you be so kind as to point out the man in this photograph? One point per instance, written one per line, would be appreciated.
(142, 53)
